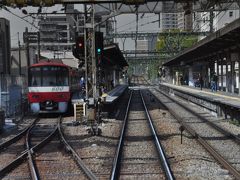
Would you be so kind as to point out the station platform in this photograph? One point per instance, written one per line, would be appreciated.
(223, 103)
(114, 94)
(112, 98)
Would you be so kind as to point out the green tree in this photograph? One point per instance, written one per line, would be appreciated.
(174, 42)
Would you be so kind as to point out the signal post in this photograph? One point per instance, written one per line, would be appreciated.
(88, 49)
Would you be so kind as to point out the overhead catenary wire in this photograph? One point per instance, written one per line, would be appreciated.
(6, 9)
(147, 17)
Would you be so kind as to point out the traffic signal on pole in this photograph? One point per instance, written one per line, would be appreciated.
(99, 46)
(78, 48)
(99, 43)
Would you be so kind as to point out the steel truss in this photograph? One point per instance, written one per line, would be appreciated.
(132, 35)
(143, 6)
(137, 59)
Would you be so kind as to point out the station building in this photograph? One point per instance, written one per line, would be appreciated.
(218, 52)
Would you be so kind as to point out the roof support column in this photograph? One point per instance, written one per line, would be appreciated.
(217, 66)
(232, 75)
(169, 75)
(204, 73)
(221, 72)
(234, 59)
(238, 73)
(227, 71)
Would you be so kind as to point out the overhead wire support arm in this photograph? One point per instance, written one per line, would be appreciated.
(43, 3)
(136, 34)
(146, 34)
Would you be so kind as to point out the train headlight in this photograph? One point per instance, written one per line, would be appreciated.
(49, 103)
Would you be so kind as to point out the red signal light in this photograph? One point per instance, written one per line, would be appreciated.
(79, 51)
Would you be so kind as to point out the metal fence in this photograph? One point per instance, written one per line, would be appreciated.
(13, 96)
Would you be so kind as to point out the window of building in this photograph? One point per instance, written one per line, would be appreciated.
(62, 27)
(63, 34)
(230, 13)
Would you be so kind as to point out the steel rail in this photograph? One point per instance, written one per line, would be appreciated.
(12, 165)
(165, 163)
(207, 146)
(45, 140)
(227, 133)
(32, 167)
(79, 161)
(17, 137)
(118, 154)
(23, 156)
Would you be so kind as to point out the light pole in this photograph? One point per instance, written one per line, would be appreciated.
(19, 56)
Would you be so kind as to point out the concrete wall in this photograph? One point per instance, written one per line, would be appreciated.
(24, 64)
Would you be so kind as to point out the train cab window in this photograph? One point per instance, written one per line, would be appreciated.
(35, 76)
(48, 76)
(55, 76)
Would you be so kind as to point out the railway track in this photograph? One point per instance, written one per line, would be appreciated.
(10, 138)
(219, 142)
(213, 138)
(47, 153)
(139, 153)
(14, 147)
(25, 153)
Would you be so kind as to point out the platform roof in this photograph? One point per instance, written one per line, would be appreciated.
(112, 56)
(227, 38)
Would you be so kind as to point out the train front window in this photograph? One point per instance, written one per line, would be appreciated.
(48, 76)
(54, 76)
(35, 76)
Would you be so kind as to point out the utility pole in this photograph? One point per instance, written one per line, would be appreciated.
(94, 68)
(27, 48)
(1, 90)
(85, 50)
(136, 30)
(92, 91)
(90, 57)
(38, 46)
(19, 56)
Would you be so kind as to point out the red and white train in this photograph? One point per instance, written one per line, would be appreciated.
(51, 85)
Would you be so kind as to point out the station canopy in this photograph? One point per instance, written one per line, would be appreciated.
(112, 56)
(225, 39)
